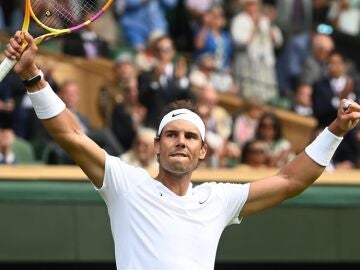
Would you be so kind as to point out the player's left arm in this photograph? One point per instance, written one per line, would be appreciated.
(298, 174)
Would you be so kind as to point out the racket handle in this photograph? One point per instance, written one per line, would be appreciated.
(5, 67)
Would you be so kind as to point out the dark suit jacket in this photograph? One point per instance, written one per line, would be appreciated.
(154, 96)
(322, 97)
(74, 45)
(325, 113)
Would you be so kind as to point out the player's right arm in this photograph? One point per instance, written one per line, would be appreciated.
(63, 127)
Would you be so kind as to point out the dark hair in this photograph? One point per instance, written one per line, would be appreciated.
(6, 120)
(246, 150)
(155, 43)
(178, 104)
(337, 53)
(275, 121)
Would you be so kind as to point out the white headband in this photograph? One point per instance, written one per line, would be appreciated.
(183, 114)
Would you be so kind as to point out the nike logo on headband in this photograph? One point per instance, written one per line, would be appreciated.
(176, 114)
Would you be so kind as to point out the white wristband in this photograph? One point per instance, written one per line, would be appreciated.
(46, 103)
(323, 147)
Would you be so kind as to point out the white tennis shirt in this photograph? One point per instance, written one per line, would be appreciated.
(153, 228)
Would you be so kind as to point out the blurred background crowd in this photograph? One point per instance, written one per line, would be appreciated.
(300, 55)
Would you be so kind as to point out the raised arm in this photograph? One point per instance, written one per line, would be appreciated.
(301, 172)
(58, 121)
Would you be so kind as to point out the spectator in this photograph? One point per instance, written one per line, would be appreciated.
(140, 18)
(69, 92)
(205, 72)
(166, 82)
(279, 148)
(302, 100)
(13, 99)
(255, 39)
(254, 153)
(327, 94)
(217, 121)
(7, 138)
(315, 65)
(292, 59)
(330, 90)
(344, 17)
(86, 43)
(128, 115)
(211, 38)
(112, 92)
(245, 123)
(142, 154)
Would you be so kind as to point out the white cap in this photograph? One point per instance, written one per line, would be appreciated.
(183, 114)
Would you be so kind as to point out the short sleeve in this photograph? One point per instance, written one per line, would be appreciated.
(234, 197)
(119, 178)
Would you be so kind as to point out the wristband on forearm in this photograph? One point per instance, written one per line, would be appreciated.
(46, 103)
(323, 147)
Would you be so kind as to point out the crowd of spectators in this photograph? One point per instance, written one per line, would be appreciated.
(300, 54)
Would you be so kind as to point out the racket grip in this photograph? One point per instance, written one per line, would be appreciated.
(5, 67)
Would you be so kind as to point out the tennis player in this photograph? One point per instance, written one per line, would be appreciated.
(165, 222)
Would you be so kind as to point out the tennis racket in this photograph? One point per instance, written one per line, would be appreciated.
(55, 18)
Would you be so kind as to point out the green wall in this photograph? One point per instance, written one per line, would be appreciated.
(67, 222)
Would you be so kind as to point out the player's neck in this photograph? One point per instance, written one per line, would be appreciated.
(178, 184)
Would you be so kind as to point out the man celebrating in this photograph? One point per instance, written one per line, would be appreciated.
(165, 222)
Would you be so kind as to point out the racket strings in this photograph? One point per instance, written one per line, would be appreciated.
(61, 14)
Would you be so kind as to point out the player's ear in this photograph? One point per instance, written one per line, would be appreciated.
(203, 151)
(156, 145)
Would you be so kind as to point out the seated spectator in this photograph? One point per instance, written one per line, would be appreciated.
(245, 123)
(7, 99)
(345, 17)
(145, 60)
(310, 47)
(128, 115)
(13, 99)
(69, 92)
(205, 72)
(254, 153)
(315, 65)
(217, 122)
(302, 100)
(166, 82)
(142, 153)
(327, 94)
(7, 138)
(85, 43)
(211, 38)
(112, 92)
(279, 149)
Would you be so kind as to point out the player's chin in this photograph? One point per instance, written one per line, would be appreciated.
(180, 168)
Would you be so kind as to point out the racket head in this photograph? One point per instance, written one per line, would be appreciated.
(60, 17)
